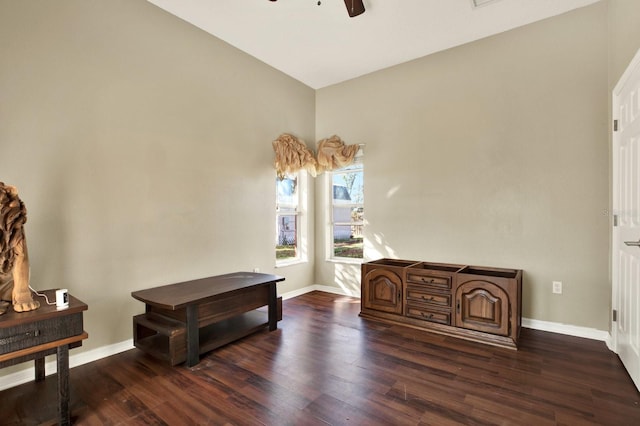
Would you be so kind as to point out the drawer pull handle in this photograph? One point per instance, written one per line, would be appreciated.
(425, 315)
(425, 280)
(20, 337)
(430, 298)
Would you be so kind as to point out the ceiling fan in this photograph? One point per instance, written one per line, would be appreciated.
(354, 7)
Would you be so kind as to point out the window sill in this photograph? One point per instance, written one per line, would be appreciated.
(286, 263)
(346, 261)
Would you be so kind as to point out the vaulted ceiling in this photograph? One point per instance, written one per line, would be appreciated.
(317, 43)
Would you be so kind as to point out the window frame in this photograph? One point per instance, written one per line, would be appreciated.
(330, 204)
(300, 213)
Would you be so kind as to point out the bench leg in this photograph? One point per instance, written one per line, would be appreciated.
(193, 336)
(273, 307)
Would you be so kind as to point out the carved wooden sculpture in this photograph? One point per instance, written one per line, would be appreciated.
(14, 258)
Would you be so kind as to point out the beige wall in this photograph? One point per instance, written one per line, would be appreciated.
(494, 153)
(141, 147)
(624, 36)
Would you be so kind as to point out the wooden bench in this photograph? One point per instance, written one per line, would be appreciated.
(182, 321)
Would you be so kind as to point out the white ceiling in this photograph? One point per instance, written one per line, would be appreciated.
(320, 45)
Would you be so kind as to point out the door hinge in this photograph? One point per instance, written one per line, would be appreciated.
(615, 125)
(615, 315)
(615, 220)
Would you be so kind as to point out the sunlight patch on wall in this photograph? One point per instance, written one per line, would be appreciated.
(348, 278)
(391, 192)
(377, 247)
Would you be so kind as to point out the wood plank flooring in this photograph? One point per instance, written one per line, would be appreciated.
(327, 366)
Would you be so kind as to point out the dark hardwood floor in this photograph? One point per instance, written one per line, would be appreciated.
(327, 366)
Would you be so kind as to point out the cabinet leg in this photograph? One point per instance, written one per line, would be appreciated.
(63, 385)
(39, 367)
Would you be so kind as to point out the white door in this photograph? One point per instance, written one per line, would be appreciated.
(626, 230)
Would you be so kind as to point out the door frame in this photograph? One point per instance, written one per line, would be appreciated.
(633, 65)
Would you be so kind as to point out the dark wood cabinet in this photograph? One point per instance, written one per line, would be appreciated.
(428, 292)
(488, 300)
(382, 286)
(474, 303)
(33, 335)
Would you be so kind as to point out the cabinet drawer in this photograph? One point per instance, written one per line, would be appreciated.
(29, 334)
(443, 283)
(426, 314)
(418, 294)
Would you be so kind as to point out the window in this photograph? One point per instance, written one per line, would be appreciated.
(289, 218)
(347, 212)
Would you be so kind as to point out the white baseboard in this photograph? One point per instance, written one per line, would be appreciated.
(318, 287)
(27, 375)
(554, 327)
(296, 293)
(568, 329)
(50, 367)
(23, 376)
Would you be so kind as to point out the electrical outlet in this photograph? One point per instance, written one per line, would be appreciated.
(557, 287)
(256, 269)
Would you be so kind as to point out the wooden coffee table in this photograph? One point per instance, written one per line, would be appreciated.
(183, 320)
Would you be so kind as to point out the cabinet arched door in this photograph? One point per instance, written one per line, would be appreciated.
(382, 291)
(482, 306)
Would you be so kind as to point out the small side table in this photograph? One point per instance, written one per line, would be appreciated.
(26, 336)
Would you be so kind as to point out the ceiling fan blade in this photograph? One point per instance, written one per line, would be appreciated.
(354, 7)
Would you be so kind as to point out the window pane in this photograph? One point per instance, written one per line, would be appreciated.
(287, 190)
(286, 246)
(347, 186)
(348, 213)
(287, 218)
(347, 231)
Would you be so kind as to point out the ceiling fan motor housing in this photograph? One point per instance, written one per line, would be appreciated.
(354, 7)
